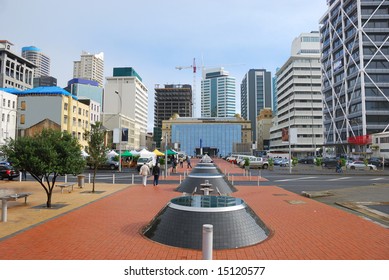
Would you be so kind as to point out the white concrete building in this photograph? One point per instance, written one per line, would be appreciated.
(126, 96)
(299, 100)
(90, 67)
(15, 71)
(8, 116)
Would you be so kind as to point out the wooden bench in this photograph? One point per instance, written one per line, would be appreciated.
(66, 185)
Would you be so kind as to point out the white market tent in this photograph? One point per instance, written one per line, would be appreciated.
(112, 154)
(134, 153)
(146, 153)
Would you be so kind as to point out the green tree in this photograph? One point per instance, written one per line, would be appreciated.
(46, 156)
(96, 148)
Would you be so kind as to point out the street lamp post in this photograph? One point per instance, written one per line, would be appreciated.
(165, 153)
(120, 131)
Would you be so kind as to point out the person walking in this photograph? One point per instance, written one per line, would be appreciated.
(181, 159)
(174, 165)
(144, 172)
(188, 162)
(156, 172)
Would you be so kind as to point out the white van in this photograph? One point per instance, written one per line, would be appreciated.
(150, 161)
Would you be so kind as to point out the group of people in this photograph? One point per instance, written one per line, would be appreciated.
(156, 170)
(180, 160)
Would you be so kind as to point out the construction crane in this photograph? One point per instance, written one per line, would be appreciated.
(193, 66)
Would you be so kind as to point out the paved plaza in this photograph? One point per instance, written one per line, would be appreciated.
(107, 225)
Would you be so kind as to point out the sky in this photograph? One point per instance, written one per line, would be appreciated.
(154, 37)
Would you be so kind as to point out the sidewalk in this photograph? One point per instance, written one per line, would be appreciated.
(107, 226)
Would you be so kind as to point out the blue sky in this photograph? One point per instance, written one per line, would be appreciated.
(156, 36)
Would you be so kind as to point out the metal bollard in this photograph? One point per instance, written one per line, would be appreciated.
(113, 178)
(66, 178)
(4, 210)
(180, 179)
(89, 178)
(133, 178)
(207, 241)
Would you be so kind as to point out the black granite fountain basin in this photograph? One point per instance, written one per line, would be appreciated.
(180, 222)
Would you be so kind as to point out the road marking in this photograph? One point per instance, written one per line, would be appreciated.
(338, 179)
(295, 179)
(377, 179)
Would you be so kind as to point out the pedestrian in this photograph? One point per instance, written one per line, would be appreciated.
(174, 165)
(144, 172)
(156, 172)
(24, 174)
(339, 167)
(188, 162)
(181, 162)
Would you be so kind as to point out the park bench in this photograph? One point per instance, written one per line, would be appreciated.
(16, 196)
(11, 197)
(66, 185)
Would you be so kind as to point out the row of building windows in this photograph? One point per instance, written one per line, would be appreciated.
(8, 103)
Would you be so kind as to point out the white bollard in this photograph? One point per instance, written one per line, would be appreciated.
(132, 179)
(89, 178)
(66, 178)
(207, 241)
(232, 179)
(4, 206)
(180, 179)
(113, 178)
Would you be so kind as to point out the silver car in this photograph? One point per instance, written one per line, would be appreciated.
(360, 165)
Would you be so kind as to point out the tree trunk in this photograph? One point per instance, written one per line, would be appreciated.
(93, 181)
(48, 203)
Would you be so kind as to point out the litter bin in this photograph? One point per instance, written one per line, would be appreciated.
(81, 180)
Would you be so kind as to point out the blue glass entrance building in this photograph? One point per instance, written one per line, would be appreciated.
(219, 136)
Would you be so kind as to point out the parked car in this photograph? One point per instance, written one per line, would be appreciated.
(329, 162)
(360, 165)
(242, 162)
(8, 172)
(285, 162)
(307, 160)
(277, 161)
(377, 161)
(259, 162)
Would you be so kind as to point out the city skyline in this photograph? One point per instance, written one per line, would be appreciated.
(155, 38)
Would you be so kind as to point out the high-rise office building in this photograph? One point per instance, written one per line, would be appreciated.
(41, 61)
(355, 63)
(172, 99)
(90, 67)
(125, 106)
(255, 95)
(218, 94)
(299, 100)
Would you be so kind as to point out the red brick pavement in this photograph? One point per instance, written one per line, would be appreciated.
(302, 229)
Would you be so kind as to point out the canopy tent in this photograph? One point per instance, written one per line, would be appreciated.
(134, 153)
(146, 153)
(127, 154)
(158, 153)
(171, 152)
(112, 154)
